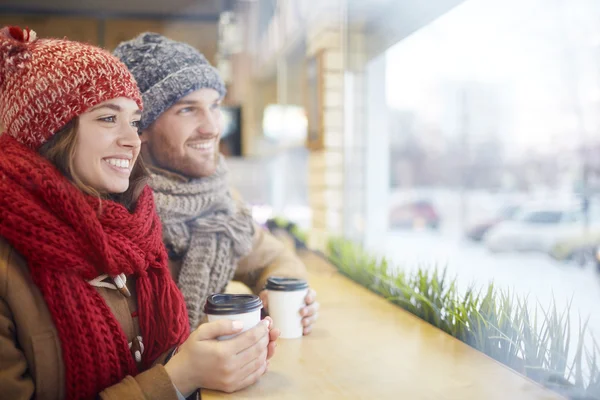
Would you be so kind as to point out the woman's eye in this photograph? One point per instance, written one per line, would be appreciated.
(186, 110)
(111, 118)
(135, 124)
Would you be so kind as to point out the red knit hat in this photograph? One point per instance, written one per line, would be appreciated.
(45, 83)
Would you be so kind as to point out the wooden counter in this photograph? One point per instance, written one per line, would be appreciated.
(366, 348)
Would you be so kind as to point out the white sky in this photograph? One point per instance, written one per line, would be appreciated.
(517, 44)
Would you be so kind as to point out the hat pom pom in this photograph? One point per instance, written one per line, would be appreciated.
(20, 35)
(14, 42)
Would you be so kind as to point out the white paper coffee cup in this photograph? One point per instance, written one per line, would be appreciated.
(235, 307)
(286, 298)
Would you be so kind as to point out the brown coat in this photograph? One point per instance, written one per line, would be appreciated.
(31, 364)
(269, 257)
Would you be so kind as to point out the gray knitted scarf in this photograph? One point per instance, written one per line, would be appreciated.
(205, 228)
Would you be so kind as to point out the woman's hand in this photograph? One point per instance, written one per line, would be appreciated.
(229, 365)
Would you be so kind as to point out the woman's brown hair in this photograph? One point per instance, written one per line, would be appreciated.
(60, 151)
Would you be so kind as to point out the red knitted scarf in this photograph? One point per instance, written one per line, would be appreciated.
(66, 242)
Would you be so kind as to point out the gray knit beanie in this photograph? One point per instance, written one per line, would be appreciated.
(166, 71)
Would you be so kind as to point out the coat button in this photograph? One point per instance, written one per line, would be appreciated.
(137, 348)
(121, 284)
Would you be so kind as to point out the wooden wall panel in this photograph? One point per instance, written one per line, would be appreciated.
(74, 28)
(202, 35)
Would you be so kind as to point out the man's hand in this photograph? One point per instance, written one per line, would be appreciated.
(309, 313)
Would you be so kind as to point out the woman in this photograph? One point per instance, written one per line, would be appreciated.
(86, 298)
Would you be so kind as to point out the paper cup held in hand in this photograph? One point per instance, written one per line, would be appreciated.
(235, 307)
(286, 298)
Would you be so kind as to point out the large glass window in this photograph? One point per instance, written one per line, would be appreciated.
(493, 121)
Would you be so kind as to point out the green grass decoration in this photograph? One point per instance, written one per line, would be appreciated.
(535, 341)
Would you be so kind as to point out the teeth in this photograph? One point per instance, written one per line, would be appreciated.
(118, 162)
(202, 146)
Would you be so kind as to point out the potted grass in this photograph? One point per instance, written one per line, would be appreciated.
(535, 342)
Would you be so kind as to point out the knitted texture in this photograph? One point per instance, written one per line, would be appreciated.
(66, 241)
(45, 83)
(204, 227)
(166, 71)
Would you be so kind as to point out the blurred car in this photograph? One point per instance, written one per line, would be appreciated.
(417, 214)
(478, 231)
(580, 249)
(537, 229)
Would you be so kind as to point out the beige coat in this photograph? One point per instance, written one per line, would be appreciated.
(31, 364)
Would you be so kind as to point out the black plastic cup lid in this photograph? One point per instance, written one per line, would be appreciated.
(231, 304)
(286, 284)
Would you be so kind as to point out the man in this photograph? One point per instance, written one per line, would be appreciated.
(208, 231)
